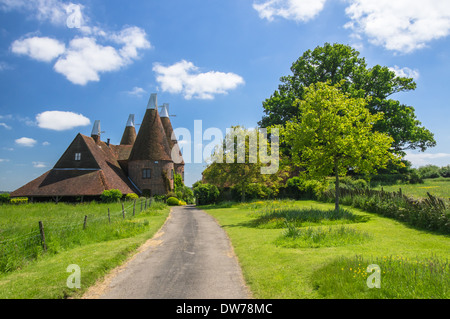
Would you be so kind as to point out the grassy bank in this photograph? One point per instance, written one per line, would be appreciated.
(278, 265)
(105, 243)
(439, 187)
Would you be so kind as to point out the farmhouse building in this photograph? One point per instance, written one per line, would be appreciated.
(143, 163)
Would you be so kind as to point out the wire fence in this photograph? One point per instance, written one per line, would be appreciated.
(58, 235)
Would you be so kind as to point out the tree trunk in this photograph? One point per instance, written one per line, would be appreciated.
(336, 200)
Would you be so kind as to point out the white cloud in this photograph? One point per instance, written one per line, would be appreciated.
(26, 141)
(422, 159)
(137, 91)
(3, 160)
(5, 126)
(45, 143)
(39, 165)
(53, 11)
(297, 10)
(400, 25)
(41, 49)
(61, 121)
(405, 72)
(184, 77)
(85, 59)
(132, 38)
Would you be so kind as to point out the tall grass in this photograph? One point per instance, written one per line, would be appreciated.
(400, 278)
(64, 228)
(431, 213)
(275, 217)
(314, 237)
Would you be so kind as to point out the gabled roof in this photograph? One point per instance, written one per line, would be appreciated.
(151, 142)
(98, 170)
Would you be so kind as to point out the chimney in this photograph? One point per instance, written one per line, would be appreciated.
(96, 131)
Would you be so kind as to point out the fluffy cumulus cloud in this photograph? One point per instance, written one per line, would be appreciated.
(85, 59)
(39, 48)
(405, 72)
(26, 141)
(56, 12)
(61, 121)
(184, 78)
(400, 25)
(91, 53)
(297, 10)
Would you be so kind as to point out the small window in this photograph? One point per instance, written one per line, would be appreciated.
(146, 173)
(78, 156)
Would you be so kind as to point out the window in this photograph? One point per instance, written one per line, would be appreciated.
(146, 173)
(78, 156)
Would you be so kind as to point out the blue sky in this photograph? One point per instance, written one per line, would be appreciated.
(64, 65)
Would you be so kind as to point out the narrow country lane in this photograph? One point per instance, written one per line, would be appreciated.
(190, 258)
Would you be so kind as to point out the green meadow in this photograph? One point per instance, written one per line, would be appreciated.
(327, 257)
(98, 245)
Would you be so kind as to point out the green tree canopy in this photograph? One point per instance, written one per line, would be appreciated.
(334, 135)
(341, 64)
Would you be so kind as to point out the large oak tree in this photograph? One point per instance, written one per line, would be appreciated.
(337, 63)
(334, 135)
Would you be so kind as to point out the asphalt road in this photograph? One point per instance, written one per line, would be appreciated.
(190, 258)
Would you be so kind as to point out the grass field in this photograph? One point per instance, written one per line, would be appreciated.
(439, 187)
(277, 264)
(29, 273)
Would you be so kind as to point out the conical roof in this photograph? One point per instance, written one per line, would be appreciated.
(151, 142)
(177, 157)
(129, 135)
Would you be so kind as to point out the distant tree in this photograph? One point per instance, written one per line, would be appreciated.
(238, 161)
(334, 135)
(341, 64)
(445, 171)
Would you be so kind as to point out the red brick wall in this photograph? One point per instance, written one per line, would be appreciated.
(156, 183)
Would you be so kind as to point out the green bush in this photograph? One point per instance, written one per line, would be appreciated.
(429, 171)
(414, 178)
(110, 196)
(131, 196)
(252, 191)
(445, 171)
(173, 201)
(431, 213)
(298, 188)
(5, 198)
(206, 194)
(19, 200)
(360, 184)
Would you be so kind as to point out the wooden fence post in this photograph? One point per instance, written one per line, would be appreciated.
(109, 216)
(41, 230)
(134, 207)
(141, 205)
(123, 211)
(146, 203)
(85, 222)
